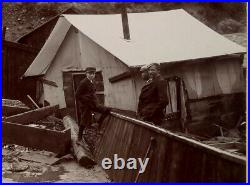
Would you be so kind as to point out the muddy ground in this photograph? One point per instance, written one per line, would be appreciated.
(20, 164)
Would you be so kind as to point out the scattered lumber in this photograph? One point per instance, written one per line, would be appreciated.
(12, 107)
(32, 115)
(51, 118)
(34, 105)
(9, 110)
(42, 139)
(82, 153)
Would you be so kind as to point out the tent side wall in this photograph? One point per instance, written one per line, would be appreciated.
(78, 52)
(122, 94)
(67, 57)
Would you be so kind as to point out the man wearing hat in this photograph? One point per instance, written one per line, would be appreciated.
(147, 80)
(87, 99)
(153, 98)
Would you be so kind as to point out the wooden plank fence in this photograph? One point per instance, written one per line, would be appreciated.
(16, 59)
(174, 158)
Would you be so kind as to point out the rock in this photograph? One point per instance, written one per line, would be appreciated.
(18, 167)
(19, 28)
(36, 169)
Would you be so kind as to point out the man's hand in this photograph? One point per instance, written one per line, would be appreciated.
(108, 110)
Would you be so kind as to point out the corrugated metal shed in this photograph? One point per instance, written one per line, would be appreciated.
(169, 36)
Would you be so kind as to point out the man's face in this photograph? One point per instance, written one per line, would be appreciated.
(153, 72)
(90, 75)
(145, 75)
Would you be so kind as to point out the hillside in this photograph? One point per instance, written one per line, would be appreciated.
(21, 18)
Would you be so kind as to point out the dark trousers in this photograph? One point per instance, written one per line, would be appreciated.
(86, 117)
(155, 120)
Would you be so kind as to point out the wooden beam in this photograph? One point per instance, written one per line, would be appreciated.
(33, 102)
(120, 77)
(9, 110)
(33, 115)
(48, 82)
(219, 96)
(180, 138)
(125, 24)
(51, 118)
(42, 139)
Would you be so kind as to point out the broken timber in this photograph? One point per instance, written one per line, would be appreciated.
(51, 118)
(42, 139)
(9, 110)
(82, 154)
(32, 115)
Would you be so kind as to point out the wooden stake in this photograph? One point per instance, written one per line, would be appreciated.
(33, 102)
(148, 154)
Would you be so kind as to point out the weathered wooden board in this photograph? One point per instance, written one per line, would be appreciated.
(174, 158)
(14, 67)
(224, 110)
(32, 115)
(43, 139)
(82, 153)
(9, 110)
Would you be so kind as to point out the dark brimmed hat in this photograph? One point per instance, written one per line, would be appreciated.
(154, 64)
(90, 69)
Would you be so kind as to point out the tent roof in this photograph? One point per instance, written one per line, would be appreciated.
(44, 58)
(162, 37)
(155, 37)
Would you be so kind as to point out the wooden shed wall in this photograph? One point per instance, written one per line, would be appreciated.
(120, 95)
(206, 78)
(16, 59)
(173, 158)
(38, 37)
(215, 92)
(67, 57)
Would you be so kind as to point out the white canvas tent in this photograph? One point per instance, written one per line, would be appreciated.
(78, 41)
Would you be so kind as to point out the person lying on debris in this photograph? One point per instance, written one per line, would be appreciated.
(153, 98)
(88, 103)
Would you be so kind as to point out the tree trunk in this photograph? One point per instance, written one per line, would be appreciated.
(82, 153)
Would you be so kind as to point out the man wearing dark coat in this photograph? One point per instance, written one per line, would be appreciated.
(153, 98)
(87, 100)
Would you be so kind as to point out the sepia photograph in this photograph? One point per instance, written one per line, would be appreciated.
(124, 92)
